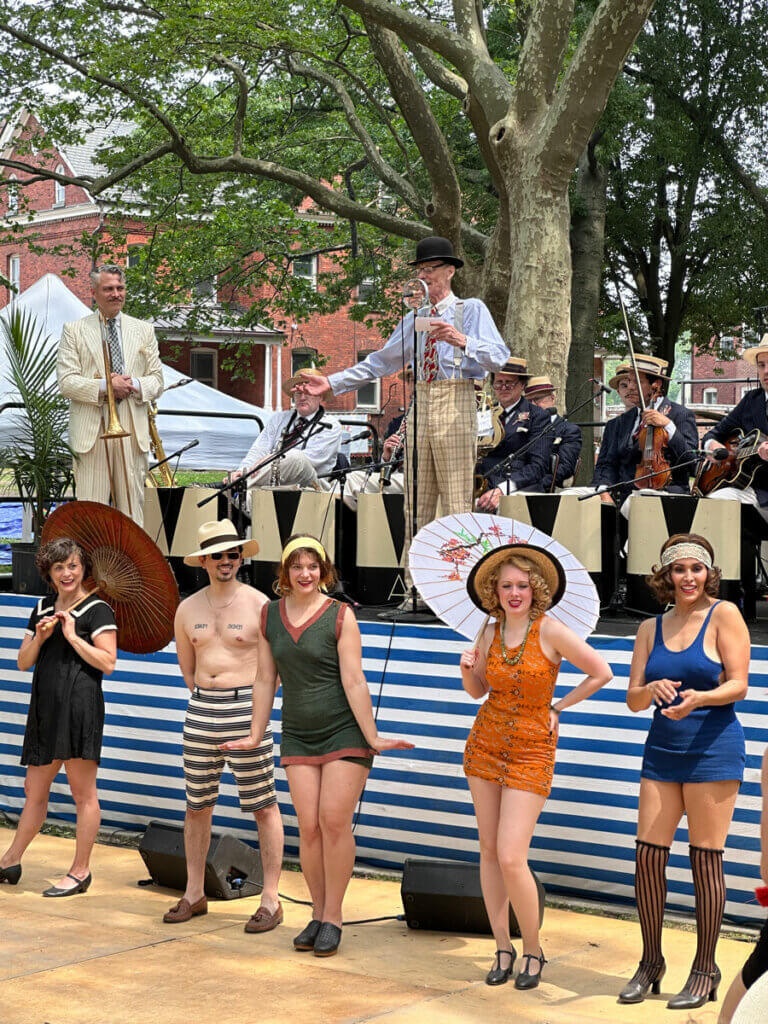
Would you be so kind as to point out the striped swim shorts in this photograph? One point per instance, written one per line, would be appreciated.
(217, 716)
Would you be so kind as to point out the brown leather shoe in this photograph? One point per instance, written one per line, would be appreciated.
(185, 911)
(263, 921)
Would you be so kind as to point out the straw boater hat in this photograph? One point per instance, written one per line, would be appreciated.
(750, 354)
(435, 248)
(515, 365)
(538, 386)
(219, 536)
(546, 565)
(298, 378)
(622, 370)
(652, 365)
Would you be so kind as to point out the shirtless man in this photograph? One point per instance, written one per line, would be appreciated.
(217, 644)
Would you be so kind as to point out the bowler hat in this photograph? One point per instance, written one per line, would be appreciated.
(435, 248)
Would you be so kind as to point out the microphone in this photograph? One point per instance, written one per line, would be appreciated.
(356, 437)
(719, 454)
(602, 388)
(192, 444)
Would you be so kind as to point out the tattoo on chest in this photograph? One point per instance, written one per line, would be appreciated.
(201, 625)
(234, 625)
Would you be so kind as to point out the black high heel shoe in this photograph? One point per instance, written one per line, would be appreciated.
(82, 886)
(686, 1000)
(499, 975)
(11, 874)
(647, 976)
(525, 979)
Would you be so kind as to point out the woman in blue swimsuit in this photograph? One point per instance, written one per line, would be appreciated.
(692, 662)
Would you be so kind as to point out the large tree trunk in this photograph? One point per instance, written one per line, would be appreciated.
(537, 324)
(587, 246)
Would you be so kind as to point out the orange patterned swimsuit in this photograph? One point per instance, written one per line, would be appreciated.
(510, 743)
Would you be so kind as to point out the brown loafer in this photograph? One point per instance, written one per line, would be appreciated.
(185, 911)
(264, 921)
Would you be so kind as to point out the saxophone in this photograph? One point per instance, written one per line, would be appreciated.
(158, 452)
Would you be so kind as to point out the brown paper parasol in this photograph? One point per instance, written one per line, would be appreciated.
(127, 567)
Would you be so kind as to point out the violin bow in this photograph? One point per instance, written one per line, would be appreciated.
(631, 347)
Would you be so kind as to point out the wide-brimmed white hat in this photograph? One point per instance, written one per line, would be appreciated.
(750, 355)
(219, 535)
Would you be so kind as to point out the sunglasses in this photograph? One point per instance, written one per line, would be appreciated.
(232, 556)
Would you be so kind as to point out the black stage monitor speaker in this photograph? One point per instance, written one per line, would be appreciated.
(445, 896)
(232, 868)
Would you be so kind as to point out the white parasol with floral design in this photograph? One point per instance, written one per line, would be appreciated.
(444, 554)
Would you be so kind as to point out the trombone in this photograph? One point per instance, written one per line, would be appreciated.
(113, 431)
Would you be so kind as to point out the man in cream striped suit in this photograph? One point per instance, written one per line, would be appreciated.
(137, 379)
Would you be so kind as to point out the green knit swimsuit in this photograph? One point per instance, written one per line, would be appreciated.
(317, 722)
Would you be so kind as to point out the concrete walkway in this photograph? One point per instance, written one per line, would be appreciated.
(106, 958)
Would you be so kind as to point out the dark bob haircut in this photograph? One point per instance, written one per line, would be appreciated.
(660, 580)
(328, 577)
(60, 551)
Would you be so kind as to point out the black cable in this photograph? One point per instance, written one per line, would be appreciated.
(373, 920)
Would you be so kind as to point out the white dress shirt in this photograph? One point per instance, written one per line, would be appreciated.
(321, 448)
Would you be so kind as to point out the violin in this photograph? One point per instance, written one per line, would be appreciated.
(653, 467)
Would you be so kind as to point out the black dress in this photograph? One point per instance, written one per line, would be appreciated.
(66, 710)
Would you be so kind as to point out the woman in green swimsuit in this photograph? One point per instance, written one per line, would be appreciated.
(329, 735)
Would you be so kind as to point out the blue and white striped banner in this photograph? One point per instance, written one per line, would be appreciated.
(416, 802)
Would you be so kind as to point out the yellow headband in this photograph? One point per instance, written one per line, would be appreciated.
(303, 542)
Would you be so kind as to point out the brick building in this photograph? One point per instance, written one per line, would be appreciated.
(62, 214)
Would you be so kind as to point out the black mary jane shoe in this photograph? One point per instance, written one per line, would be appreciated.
(647, 976)
(82, 886)
(686, 1000)
(327, 940)
(305, 940)
(11, 874)
(525, 979)
(499, 975)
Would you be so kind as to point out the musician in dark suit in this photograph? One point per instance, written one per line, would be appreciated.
(620, 453)
(751, 413)
(564, 437)
(522, 421)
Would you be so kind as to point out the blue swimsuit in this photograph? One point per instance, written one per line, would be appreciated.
(708, 744)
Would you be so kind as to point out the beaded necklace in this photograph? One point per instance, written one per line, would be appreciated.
(518, 656)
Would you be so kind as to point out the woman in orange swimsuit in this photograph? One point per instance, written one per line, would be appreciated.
(509, 758)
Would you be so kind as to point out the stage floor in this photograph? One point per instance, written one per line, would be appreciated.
(107, 957)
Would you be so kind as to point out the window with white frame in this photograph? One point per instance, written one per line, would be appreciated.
(369, 395)
(14, 276)
(59, 190)
(365, 289)
(203, 366)
(302, 359)
(13, 195)
(306, 268)
(205, 291)
(133, 258)
(710, 396)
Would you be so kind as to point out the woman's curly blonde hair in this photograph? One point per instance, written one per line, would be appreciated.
(487, 589)
(660, 579)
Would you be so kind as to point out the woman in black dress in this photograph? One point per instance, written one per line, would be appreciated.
(71, 650)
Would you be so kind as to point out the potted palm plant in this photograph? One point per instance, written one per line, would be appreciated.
(36, 452)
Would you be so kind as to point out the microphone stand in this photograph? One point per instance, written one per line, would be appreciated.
(173, 455)
(507, 463)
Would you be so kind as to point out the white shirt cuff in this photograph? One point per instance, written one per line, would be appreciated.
(671, 430)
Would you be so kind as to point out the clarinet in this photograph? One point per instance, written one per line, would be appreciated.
(274, 478)
(387, 470)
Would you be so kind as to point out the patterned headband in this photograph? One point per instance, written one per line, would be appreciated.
(303, 542)
(684, 550)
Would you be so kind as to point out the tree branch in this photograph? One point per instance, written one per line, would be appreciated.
(91, 184)
(445, 207)
(386, 173)
(714, 136)
(586, 85)
(438, 73)
(542, 56)
(242, 100)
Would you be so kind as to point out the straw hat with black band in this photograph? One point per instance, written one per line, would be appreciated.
(219, 536)
(548, 567)
(300, 378)
(623, 370)
(515, 365)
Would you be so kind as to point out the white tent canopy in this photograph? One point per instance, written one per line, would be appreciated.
(223, 441)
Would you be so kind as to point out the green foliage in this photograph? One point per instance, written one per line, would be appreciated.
(37, 455)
